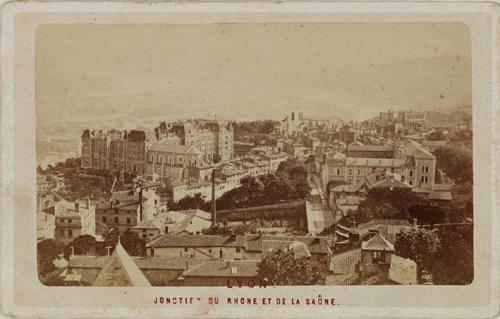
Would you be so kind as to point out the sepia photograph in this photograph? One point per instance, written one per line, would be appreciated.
(254, 154)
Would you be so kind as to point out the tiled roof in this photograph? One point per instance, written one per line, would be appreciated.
(174, 148)
(370, 148)
(379, 162)
(233, 268)
(161, 262)
(320, 245)
(390, 182)
(197, 241)
(377, 242)
(412, 147)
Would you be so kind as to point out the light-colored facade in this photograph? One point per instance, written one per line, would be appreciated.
(413, 118)
(213, 138)
(415, 165)
(73, 220)
(169, 160)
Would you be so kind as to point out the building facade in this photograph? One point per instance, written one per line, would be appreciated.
(73, 220)
(415, 165)
(213, 138)
(170, 160)
(115, 150)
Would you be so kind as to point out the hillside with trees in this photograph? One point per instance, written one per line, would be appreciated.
(287, 184)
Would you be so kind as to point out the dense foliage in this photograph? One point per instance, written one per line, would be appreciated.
(387, 204)
(445, 253)
(282, 269)
(47, 251)
(456, 162)
(288, 183)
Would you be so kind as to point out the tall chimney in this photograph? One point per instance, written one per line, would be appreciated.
(214, 213)
(140, 203)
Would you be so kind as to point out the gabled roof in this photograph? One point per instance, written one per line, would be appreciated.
(196, 241)
(220, 268)
(174, 148)
(391, 183)
(120, 270)
(262, 243)
(377, 242)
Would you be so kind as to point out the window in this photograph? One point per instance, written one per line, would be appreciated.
(378, 256)
(423, 169)
(210, 250)
(411, 183)
(350, 171)
(69, 221)
(238, 249)
(61, 232)
(116, 220)
(411, 173)
(62, 220)
(128, 220)
(185, 250)
(427, 169)
(70, 232)
(104, 219)
(358, 172)
(426, 179)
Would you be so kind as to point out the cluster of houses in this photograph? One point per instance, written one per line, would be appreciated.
(199, 158)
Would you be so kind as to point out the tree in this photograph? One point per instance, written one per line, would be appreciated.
(456, 162)
(426, 214)
(134, 245)
(47, 251)
(387, 204)
(453, 263)
(190, 202)
(283, 269)
(420, 245)
(84, 245)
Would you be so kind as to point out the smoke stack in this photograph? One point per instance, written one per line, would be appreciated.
(214, 216)
(140, 204)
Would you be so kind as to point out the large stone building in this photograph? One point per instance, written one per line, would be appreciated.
(415, 165)
(213, 138)
(413, 118)
(170, 160)
(115, 150)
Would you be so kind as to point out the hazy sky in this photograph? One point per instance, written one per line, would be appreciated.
(243, 71)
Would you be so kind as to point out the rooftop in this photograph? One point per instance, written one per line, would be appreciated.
(377, 242)
(197, 241)
(120, 270)
(174, 148)
(233, 268)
